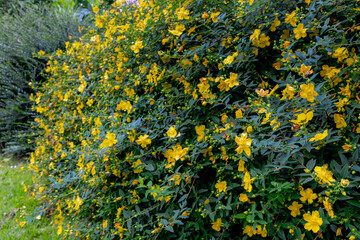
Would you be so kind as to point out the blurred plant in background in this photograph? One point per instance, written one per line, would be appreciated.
(26, 28)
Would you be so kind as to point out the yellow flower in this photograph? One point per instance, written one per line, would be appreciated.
(303, 118)
(200, 132)
(22, 224)
(308, 195)
(137, 46)
(241, 167)
(274, 24)
(96, 9)
(231, 81)
(243, 198)
(179, 29)
(308, 92)
(340, 121)
(172, 132)
(249, 230)
(314, 221)
(221, 186)
(238, 113)
(300, 31)
(109, 141)
(244, 144)
(305, 70)
(295, 208)
(229, 59)
(217, 225)
(174, 154)
(288, 92)
(125, 106)
(78, 202)
(346, 147)
(135, 165)
(214, 17)
(319, 136)
(247, 182)
(290, 18)
(182, 13)
(341, 53)
(143, 140)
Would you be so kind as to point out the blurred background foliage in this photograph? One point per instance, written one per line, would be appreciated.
(27, 27)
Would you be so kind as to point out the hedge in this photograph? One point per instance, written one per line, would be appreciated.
(204, 119)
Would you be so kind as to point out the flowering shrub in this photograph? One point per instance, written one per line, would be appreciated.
(205, 120)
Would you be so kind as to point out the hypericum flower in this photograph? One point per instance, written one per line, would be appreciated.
(125, 106)
(290, 18)
(143, 140)
(308, 92)
(182, 13)
(217, 225)
(221, 186)
(244, 144)
(247, 182)
(341, 53)
(303, 118)
(262, 92)
(249, 230)
(109, 141)
(274, 24)
(174, 154)
(319, 136)
(314, 221)
(200, 132)
(214, 17)
(172, 132)
(231, 81)
(179, 29)
(328, 207)
(243, 198)
(340, 121)
(324, 175)
(238, 113)
(241, 167)
(308, 195)
(305, 70)
(137, 46)
(288, 92)
(300, 31)
(295, 208)
(229, 59)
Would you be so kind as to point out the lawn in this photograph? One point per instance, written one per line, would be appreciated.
(16, 204)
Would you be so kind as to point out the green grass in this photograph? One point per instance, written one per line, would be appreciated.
(16, 205)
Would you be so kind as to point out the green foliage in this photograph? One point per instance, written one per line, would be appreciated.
(31, 29)
(207, 119)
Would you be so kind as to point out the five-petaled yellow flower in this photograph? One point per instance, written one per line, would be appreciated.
(143, 140)
(179, 29)
(319, 136)
(244, 144)
(324, 175)
(314, 221)
(308, 195)
(295, 208)
(300, 31)
(308, 92)
(221, 186)
(137, 46)
(172, 132)
(217, 224)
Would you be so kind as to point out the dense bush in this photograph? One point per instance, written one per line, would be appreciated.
(205, 119)
(30, 29)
